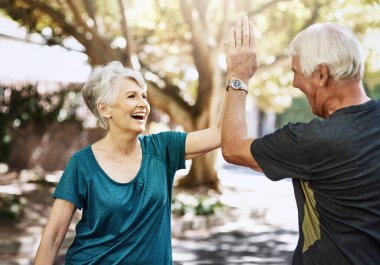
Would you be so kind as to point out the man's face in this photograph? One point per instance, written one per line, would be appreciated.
(303, 83)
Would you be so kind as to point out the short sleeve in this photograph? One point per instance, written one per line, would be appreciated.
(280, 155)
(175, 149)
(69, 185)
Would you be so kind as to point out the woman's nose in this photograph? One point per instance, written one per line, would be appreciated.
(142, 102)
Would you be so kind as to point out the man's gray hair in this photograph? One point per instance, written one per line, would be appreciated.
(332, 45)
(100, 86)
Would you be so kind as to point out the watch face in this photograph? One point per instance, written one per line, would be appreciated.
(236, 83)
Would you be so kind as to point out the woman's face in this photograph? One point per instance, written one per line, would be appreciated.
(130, 110)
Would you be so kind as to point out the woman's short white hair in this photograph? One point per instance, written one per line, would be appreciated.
(332, 45)
(100, 86)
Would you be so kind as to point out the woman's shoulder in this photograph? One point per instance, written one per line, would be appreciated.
(163, 138)
(83, 158)
(82, 153)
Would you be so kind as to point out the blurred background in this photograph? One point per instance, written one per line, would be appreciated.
(47, 50)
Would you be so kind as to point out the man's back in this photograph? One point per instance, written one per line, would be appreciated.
(335, 166)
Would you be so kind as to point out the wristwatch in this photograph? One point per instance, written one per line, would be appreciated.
(237, 84)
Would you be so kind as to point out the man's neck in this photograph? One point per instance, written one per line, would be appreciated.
(344, 93)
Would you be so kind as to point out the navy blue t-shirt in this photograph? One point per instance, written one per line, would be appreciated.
(335, 167)
(124, 223)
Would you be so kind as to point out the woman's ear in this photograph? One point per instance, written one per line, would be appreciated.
(104, 110)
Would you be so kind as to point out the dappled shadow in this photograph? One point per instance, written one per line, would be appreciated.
(19, 239)
(237, 247)
(240, 240)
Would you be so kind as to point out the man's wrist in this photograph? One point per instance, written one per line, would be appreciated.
(237, 84)
(231, 76)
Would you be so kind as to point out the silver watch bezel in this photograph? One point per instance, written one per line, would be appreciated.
(237, 84)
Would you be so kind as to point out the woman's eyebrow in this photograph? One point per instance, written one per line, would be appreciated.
(129, 91)
(136, 91)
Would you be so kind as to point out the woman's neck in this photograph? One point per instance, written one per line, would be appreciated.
(123, 144)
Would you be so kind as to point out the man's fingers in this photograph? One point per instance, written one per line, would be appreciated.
(231, 41)
(252, 43)
(238, 33)
(246, 31)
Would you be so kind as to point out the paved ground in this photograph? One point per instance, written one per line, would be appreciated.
(260, 226)
(264, 232)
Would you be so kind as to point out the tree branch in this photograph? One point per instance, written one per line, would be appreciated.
(314, 16)
(77, 15)
(223, 27)
(169, 89)
(105, 44)
(96, 53)
(199, 35)
(161, 99)
(280, 61)
(127, 52)
(203, 54)
(264, 7)
(89, 5)
(201, 7)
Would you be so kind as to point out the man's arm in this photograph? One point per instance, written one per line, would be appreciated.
(241, 64)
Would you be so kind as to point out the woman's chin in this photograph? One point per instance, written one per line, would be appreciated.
(139, 129)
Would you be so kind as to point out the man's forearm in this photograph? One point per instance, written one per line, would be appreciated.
(234, 123)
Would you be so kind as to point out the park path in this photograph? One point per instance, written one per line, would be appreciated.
(260, 226)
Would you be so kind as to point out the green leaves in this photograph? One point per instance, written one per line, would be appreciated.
(195, 205)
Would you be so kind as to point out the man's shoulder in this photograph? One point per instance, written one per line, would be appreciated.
(314, 125)
(316, 132)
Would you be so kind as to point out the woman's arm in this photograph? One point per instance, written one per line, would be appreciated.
(203, 141)
(55, 231)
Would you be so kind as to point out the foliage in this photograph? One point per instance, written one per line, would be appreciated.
(20, 106)
(273, 83)
(299, 111)
(167, 41)
(195, 205)
(179, 45)
(375, 92)
(11, 207)
(36, 175)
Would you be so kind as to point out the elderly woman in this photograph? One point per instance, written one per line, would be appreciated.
(123, 183)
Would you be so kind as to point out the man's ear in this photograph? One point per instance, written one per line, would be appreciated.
(104, 110)
(321, 74)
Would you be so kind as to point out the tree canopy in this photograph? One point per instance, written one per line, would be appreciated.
(178, 45)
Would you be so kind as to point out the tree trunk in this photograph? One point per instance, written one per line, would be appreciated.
(202, 173)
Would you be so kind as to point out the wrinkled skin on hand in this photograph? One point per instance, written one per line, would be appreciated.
(241, 51)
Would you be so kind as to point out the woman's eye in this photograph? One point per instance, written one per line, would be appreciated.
(131, 96)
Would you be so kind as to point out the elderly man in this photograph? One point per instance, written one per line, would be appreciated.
(334, 162)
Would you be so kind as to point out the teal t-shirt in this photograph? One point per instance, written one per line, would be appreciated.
(124, 223)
